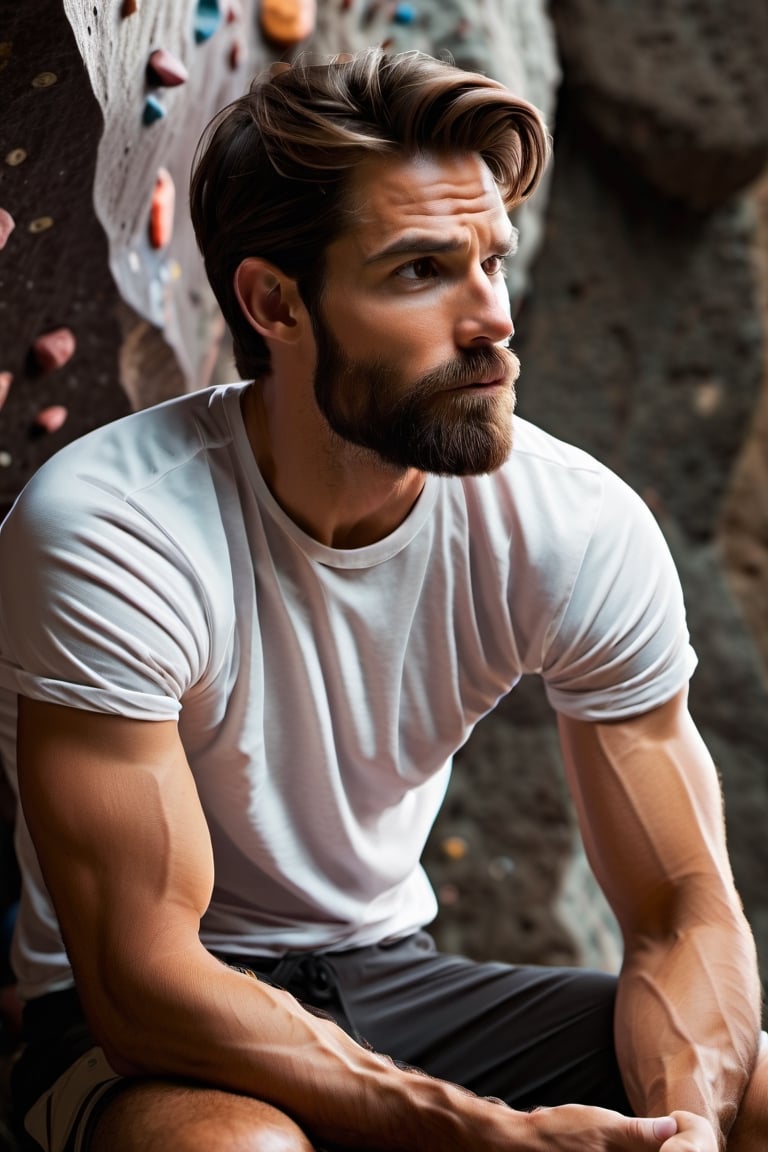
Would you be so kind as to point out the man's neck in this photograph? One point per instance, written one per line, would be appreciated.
(341, 495)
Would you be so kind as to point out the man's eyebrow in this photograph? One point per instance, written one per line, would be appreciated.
(423, 244)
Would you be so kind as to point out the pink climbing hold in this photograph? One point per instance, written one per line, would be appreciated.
(51, 419)
(162, 209)
(6, 379)
(165, 69)
(7, 225)
(53, 349)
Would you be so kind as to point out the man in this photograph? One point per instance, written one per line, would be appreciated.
(249, 628)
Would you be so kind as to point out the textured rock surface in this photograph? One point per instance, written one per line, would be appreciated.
(744, 525)
(677, 87)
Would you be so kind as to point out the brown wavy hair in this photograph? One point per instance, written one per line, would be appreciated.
(270, 173)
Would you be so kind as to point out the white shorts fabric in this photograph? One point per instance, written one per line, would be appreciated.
(60, 1120)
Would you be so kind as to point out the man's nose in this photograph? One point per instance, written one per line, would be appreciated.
(485, 314)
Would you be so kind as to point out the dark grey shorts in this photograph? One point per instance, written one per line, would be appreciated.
(531, 1036)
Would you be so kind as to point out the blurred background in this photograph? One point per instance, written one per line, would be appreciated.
(640, 302)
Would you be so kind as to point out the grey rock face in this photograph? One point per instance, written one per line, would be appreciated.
(678, 88)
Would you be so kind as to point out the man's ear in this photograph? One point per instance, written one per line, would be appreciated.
(270, 300)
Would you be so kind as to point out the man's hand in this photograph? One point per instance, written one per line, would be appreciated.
(577, 1128)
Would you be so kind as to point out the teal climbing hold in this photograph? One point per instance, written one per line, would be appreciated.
(153, 110)
(207, 19)
(405, 14)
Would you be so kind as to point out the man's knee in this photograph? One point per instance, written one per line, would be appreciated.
(155, 1116)
(280, 1135)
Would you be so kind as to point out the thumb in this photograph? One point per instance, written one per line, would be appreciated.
(657, 1130)
(664, 1127)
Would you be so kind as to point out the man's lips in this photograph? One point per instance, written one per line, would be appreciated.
(483, 382)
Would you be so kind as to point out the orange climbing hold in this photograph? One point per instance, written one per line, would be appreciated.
(162, 209)
(53, 349)
(286, 22)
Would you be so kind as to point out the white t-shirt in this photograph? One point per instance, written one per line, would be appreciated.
(320, 693)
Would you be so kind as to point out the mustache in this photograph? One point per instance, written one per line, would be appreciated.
(488, 363)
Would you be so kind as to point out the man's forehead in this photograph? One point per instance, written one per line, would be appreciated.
(391, 193)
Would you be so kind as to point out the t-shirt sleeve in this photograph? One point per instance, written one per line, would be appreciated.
(620, 645)
(98, 609)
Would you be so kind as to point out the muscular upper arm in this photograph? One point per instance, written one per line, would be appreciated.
(651, 814)
(122, 841)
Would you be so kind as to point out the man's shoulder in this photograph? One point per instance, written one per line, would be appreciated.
(119, 462)
(546, 486)
(534, 447)
(544, 473)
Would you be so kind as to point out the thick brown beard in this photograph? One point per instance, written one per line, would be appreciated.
(436, 425)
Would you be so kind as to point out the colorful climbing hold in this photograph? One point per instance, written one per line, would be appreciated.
(454, 847)
(40, 224)
(15, 157)
(153, 110)
(162, 209)
(50, 419)
(7, 225)
(165, 69)
(44, 80)
(206, 20)
(234, 11)
(53, 349)
(287, 22)
(128, 8)
(6, 379)
(235, 55)
(449, 895)
(404, 14)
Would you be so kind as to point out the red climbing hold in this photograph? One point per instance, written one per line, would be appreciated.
(51, 419)
(162, 209)
(53, 349)
(129, 7)
(165, 69)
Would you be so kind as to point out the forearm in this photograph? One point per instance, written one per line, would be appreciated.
(688, 1018)
(193, 1018)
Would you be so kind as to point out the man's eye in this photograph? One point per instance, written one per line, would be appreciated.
(494, 264)
(421, 269)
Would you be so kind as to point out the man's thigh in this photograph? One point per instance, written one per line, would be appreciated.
(535, 1037)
